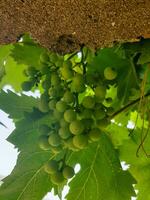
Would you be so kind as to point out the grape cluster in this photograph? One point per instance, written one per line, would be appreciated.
(79, 116)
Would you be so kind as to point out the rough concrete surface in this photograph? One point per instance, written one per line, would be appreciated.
(64, 25)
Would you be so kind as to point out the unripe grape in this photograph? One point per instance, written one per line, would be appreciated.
(52, 104)
(44, 58)
(54, 140)
(61, 106)
(68, 97)
(77, 84)
(76, 127)
(103, 123)
(100, 92)
(51, 167)
(69, 144)
(64, 132)
(67, 63)
(80, 141)
(57, 178)
(55, 80)
(88, 102)
(31, 71)
(110, 111)
(56, 150)
(94, 134)
(87, 122)
(99, 113)
(45, 69)
(44, 129)
(66, 73)
(86, 113)
(110, 73)
(27, 85)
(43, 103)
(63, 123)
(53, 57)
(43, 142)
(57, 115)
(68, 172)
(69, 115)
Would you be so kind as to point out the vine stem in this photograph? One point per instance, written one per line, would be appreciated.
(128, 106)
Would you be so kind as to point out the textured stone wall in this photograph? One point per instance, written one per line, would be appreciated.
(66, 24)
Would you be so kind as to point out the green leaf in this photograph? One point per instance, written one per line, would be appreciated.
(139, 166)
(25, 136)
(14, 74)
(145, 52)
(28, 179)
(117, 133)
(4, 53)
(16, 105)
(28, 54)
(101, 176)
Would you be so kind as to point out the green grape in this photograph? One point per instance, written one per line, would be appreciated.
(87, 122)
(59, 62)
(45, 69)
(44, 129)
(69, 115)
(64, 132)
(63, 123)
(51, 167)
(88, 102)
(57, 178)
(80, 141)
(56, 150)
(27, 85)
(31, 71)
(46, 84)
(66, 73)
(69, 144)
(86, 113)
(100, 92)
(103, 123)
(76, 127)
(77, 84)
(54, 140)
(99, 113)
(67, 63)
(61, 106)
(43, 142)
(53, 57)
(68, 172)
(57, 115)
(94, 134)
(44, 58)
(55, 80)
(110, 73)
(68, 97)
(52, 104)
(43, 103)
(52, 92)
(110, 111)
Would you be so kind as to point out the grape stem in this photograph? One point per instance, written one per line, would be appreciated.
(126, 107)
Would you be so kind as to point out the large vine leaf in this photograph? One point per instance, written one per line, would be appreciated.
(139, 165)
(16, 105)
(28, 54)
(4, 53)
(14, 74)
(101, 176)
(28, 179)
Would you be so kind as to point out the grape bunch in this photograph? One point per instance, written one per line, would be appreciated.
(79, 117)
